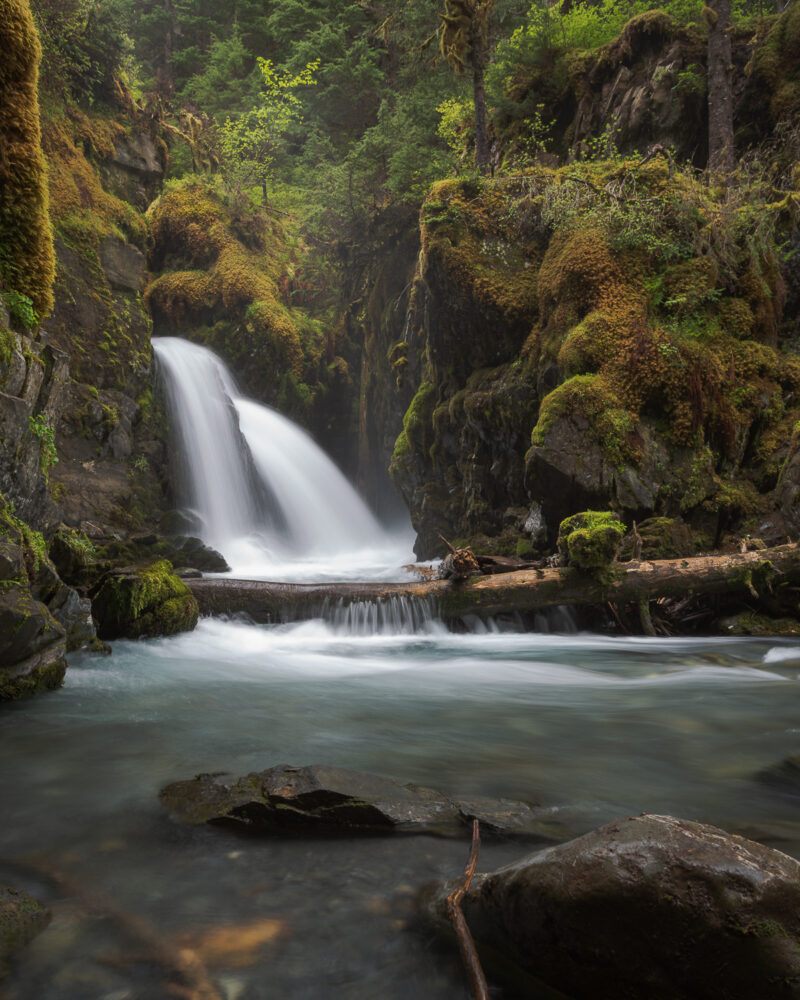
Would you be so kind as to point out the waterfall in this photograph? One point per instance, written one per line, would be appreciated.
(264, 494)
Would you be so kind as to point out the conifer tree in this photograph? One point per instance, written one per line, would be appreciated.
(464, 43)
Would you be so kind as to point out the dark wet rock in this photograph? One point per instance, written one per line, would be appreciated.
(123, 264)
(32, 644)
(133, 603)
(333, 799)
(21, 919)
(784, 776)
(647, 907)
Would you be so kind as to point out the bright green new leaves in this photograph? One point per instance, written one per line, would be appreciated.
(250, 142)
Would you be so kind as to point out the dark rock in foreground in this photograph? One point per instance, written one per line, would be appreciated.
(21, 919)
(647, 907)
(319, 798)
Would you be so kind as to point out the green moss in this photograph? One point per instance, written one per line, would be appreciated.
(590, 397)
(417, 425)
(27, 259)
(147, 602)
(8, 344)
(662, 538)
(590, 540)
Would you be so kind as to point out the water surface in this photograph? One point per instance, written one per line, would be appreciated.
(593, 728)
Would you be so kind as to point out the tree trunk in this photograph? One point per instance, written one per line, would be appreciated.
(721, 157)
(523, 590)
(479, 97)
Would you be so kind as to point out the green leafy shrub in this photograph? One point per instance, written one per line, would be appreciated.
(20, 310)
(41, 427)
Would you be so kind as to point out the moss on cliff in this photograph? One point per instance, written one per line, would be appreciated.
(652, 305)
(226, 278)
(26, 245)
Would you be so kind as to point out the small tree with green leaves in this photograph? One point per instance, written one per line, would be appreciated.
(250, 141)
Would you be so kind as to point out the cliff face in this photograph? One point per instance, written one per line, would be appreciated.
(613, 333)
(103, 174)
(649, 86)
(588, 351)
(40, 617)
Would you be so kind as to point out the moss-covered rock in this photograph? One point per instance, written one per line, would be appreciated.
(651, 379)
(662, 538)
(151, 601)
(21, 918)
(590, 540)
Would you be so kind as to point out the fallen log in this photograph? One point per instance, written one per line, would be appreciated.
(745, 573)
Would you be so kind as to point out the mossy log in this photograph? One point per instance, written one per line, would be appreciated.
(523, 590)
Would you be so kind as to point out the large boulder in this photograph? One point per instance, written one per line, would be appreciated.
(133, 603)
(320, 798)
(647, 907)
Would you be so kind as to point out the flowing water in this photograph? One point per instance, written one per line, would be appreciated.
(592, 728)
(262, 492)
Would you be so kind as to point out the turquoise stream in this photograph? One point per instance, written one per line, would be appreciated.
(593, 728)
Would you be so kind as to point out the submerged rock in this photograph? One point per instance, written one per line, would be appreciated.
(784, 776)
(649, 906)
(333, 799)
(21, 919)
(151, 601)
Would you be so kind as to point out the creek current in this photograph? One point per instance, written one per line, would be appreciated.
(594, 728)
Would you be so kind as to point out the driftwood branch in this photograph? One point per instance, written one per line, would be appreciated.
(521, 590)
(466, 944)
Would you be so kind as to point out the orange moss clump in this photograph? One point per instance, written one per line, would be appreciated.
(231, 275)
(27, 261)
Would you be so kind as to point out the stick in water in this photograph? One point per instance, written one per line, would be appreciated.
(466, 944)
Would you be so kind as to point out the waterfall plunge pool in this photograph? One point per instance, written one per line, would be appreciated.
(594, 728)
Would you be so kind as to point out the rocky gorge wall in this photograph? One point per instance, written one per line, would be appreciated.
(612, 333)
(565, 370)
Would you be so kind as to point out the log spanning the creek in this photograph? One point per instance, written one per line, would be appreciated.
(755, 573)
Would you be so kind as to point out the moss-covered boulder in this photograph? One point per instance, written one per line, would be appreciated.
(21, 919)
(662, 538)
(590, 540)
(136, 603)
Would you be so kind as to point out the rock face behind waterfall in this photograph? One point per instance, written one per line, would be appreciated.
(647, 907)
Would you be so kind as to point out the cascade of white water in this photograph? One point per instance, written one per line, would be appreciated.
(323, 513)
(322, 529)
(389, 616)
(199, 390)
